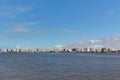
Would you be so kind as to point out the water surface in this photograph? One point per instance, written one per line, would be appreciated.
(59, 66)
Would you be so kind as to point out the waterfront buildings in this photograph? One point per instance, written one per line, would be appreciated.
(61, 50)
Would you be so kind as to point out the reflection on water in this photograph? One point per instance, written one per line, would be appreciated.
(60, 66)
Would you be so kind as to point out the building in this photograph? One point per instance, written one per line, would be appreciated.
(58, 48)
(104, 50)
(98, 50)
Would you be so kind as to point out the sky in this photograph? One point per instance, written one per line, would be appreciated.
(47, 23)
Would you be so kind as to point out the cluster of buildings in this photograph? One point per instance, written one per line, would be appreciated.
(88, 50)
(61, 50)
(95, 50)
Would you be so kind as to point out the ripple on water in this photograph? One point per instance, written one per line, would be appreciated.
(59, 67)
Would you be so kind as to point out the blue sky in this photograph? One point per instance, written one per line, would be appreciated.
(46, 23)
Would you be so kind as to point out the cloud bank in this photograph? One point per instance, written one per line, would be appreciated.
(106, 42)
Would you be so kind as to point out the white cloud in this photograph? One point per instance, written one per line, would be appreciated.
(94, 41)
(58, 46)
(107, 42)
(68, 31)
(18, 26)
(20, 29)
(24, 9)
(23, 24)
(16, 30)
(13, 11)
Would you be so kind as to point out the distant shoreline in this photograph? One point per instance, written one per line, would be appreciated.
(60, 52)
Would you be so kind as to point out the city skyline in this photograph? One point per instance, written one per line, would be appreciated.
(47, 23)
